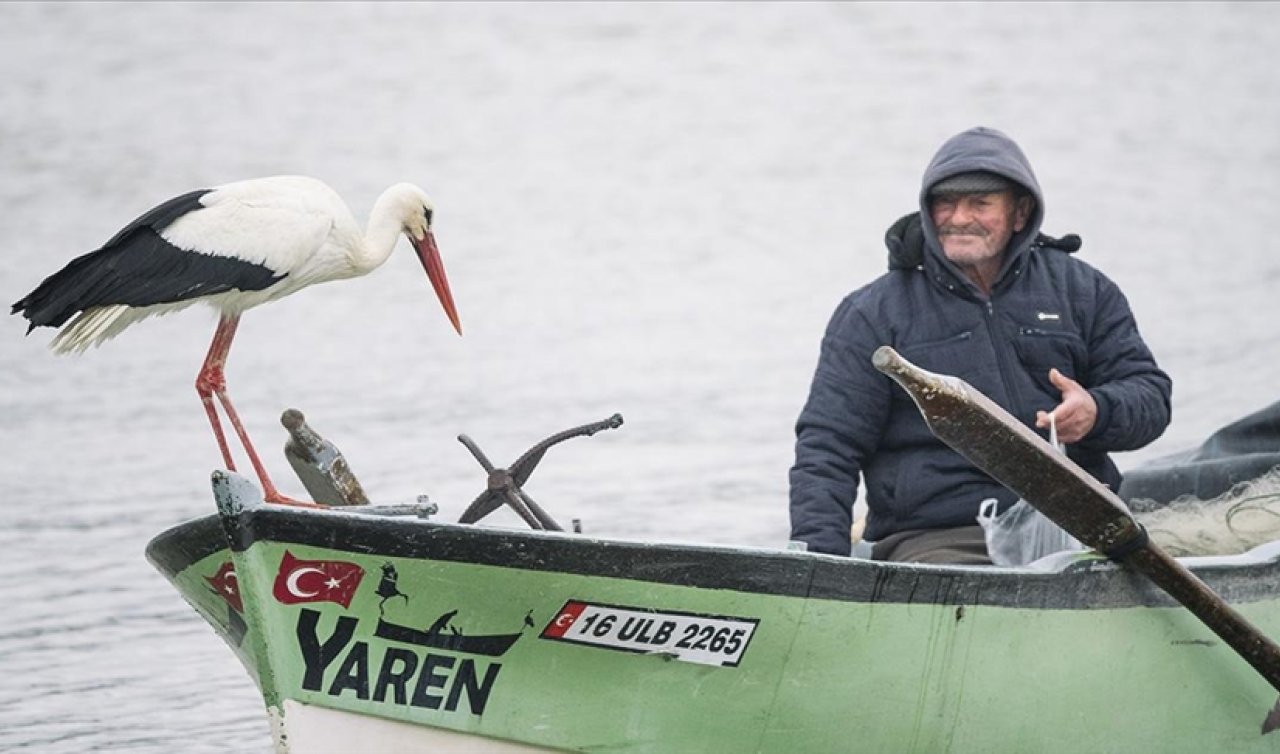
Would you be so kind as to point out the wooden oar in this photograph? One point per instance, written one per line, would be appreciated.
(1021, 460)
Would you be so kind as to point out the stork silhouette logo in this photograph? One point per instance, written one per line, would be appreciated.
(316, 581)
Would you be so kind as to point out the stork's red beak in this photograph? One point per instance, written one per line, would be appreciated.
(430, 256)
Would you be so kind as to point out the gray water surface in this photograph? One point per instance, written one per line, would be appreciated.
(650, 209)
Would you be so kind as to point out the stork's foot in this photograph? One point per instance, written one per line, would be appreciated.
(279, 499)
(272, 495)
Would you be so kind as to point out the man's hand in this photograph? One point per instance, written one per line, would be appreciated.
(1077, 412)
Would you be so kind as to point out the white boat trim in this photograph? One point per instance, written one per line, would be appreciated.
(308, 729)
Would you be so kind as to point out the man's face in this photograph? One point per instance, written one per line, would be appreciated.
(975, 228)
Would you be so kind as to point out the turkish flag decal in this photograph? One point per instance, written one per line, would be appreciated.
(564, 620)
(227, 586)
(316, 581)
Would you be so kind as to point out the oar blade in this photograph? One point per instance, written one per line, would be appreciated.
(983, 432)
(1021, 460)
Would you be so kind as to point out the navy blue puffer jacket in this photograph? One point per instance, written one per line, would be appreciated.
(1047, 309)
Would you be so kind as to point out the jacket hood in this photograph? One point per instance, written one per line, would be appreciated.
(982, 149)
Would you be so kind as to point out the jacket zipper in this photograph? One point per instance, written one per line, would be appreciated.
(998, 346)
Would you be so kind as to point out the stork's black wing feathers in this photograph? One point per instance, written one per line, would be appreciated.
(161, 216)
(137, 267)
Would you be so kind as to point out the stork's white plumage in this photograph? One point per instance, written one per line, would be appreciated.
(233, 247)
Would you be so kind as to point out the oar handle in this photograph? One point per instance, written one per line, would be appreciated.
(1256, 648)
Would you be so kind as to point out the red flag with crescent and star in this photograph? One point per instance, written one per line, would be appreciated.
(564, 620)
(227, 586)
(316, 581)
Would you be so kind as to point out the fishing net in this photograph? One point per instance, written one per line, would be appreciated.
(1240, 519)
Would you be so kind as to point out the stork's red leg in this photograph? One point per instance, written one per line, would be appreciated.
(269, 491)
(211, 381)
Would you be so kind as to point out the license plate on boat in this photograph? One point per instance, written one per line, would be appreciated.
(691, 637)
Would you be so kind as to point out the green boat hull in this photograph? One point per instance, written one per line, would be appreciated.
(563, 641)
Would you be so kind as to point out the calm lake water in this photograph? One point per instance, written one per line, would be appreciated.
(650, 209)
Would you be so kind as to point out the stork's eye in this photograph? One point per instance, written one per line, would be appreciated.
(426, 214)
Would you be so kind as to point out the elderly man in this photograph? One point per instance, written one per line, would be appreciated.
(975, 290)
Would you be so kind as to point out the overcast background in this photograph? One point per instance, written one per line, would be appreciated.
(644, 208)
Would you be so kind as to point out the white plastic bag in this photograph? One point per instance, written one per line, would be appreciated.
(1023, 534)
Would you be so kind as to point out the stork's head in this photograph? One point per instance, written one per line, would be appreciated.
(416, 214)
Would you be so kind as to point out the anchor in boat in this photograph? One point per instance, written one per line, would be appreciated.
(505, 484)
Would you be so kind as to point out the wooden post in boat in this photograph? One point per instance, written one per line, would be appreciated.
(319, 464)
(1021, 460)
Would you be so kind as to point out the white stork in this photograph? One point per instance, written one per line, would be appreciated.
(233, 247)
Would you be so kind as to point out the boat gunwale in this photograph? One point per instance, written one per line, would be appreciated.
(1069, 584)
